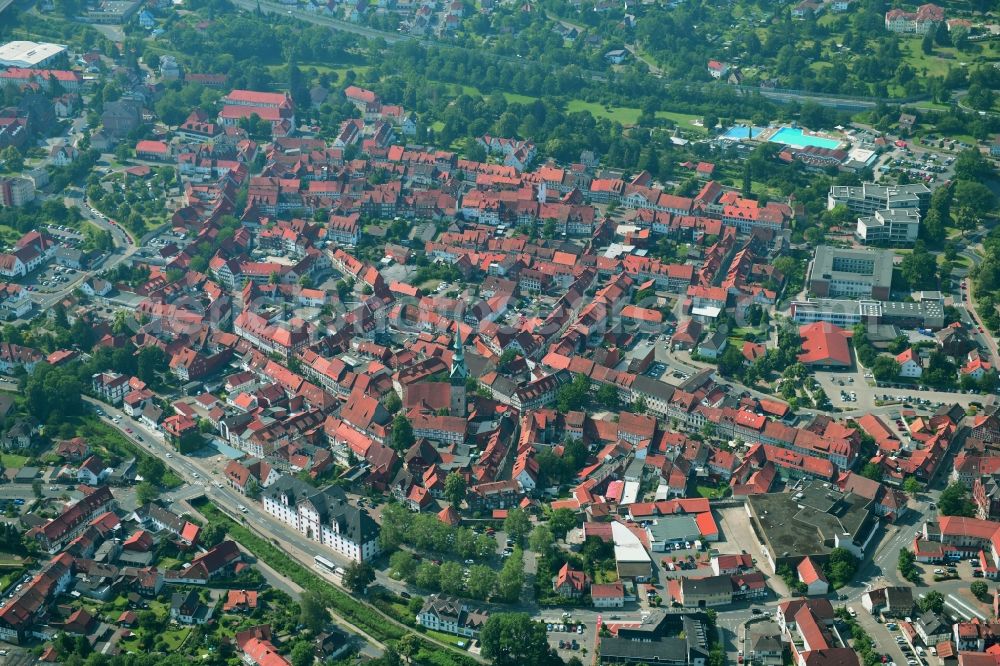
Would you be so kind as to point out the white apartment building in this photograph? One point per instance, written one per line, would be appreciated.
(323, 516)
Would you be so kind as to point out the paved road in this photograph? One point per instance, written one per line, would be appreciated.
(200, 472)
(393, 37)
(125, 247)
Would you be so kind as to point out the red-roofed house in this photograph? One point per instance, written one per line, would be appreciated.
(258, 652)
(909, 364)
(569, 583)
(240, 601)
(608, 595)
(812, 576)
(152, 150)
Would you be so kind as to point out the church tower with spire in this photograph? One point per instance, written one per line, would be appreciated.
(459, 376)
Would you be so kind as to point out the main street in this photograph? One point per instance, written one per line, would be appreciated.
(199, 471)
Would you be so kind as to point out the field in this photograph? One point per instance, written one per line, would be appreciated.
(933, 64)
(12, 460)
(630, 116)
(339, 70)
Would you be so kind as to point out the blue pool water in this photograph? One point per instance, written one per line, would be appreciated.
(742, 132)
(793, 136)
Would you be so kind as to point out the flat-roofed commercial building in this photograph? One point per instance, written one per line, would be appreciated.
(837, 272)
(29, 54)
(867, 198)
(892, 226)
(925, 313)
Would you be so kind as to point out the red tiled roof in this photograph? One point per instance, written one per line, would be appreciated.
(824, 344)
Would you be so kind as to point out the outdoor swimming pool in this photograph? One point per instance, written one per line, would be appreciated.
(742, 132)
(793, 136)
(788, 136)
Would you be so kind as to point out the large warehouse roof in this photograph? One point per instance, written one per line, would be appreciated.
(28, 54)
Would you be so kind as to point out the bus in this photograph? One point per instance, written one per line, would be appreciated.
(327, 565)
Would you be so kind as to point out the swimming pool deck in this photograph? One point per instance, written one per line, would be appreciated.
(740, 133)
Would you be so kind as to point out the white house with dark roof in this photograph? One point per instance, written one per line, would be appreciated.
(324, 516)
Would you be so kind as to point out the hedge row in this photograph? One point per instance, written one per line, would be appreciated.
(358, 613)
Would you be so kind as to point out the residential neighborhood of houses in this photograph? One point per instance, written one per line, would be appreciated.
(351, 370)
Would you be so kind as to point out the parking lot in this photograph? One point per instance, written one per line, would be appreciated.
(568, 636)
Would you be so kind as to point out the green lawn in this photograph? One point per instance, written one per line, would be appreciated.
(175, 636)
(630, 116)
(9, 235)
(605, 576)
(450, 639)
(928, 105)
(683, 120)
(934, 64)
(11, 460)
(623, 115)
(711, 492)
(11, 576)
(340, 70)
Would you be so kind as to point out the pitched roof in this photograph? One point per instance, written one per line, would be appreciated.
(824, 344)
(809, 573)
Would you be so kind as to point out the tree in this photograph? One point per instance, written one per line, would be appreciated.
(931, 602)
(840, 567)
(408, 645)
(912, 486)
(152, 470)
(303, 654)
(872, 471)
(731, 363)
(482, 580)
(312, 612)
(212, 534)
(919, 268)
(954, 501)
(571, 397)
(980, 97)
(402, 433)
(358, 576)
(451, 578)
(927, 45)
(514, 639)
(541, 539)
(516, 525)
(972, 165)
(980, 590)
(974, 195)
(146, 492)
(395, 521)
(392, 403)
(402, 564)
(428, 576)
(906, 566)
(511, 578)
(885, 368)
(454, 489)
(562, 521)
(607, 396)
(12, 159)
